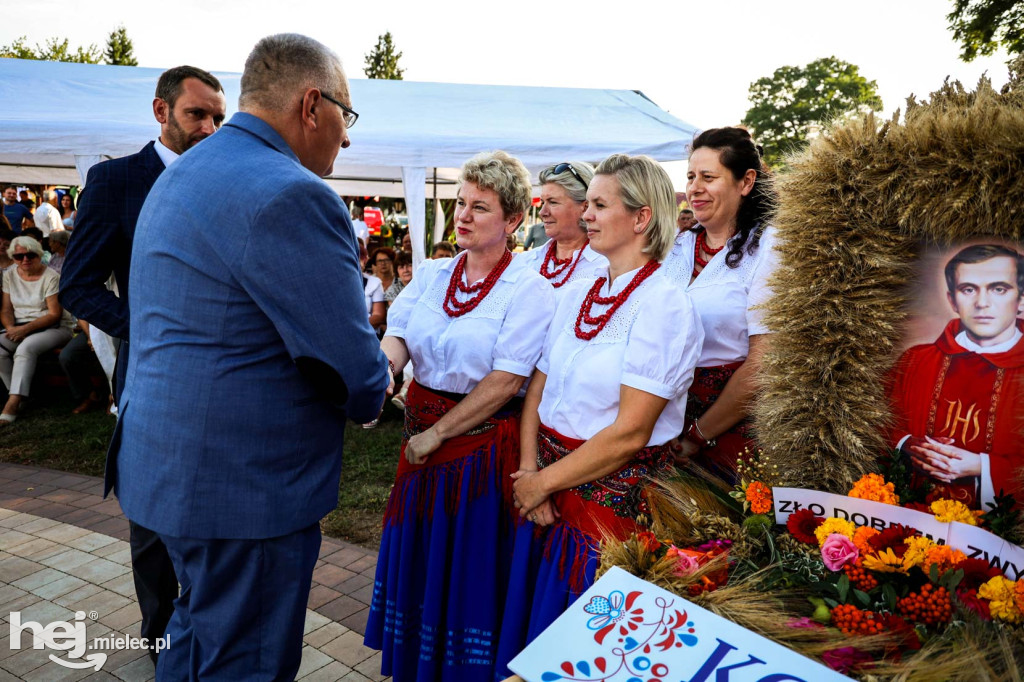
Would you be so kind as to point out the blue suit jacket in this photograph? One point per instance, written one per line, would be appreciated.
(250, 344)
(101, 244)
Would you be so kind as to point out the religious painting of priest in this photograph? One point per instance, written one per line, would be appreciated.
(958, 401)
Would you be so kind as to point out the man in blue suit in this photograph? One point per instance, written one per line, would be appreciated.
(189, 105)
(250, 349)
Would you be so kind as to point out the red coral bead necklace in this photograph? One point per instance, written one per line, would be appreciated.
(701, 247)
(456, 308)
(598, 322)
(561, 264)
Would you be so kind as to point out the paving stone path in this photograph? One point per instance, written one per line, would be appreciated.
(63, 548)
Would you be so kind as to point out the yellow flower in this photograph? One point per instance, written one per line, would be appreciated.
(951, 510)
(833, 525)
(885, 561)
(1000, 592)
(873, 487)
(917, 548)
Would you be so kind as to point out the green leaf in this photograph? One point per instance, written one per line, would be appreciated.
(832, 603)
(889, 594)
(933, 573)
(843, 587)
(862, 597)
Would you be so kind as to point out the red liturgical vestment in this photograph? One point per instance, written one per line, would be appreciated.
(944, 390)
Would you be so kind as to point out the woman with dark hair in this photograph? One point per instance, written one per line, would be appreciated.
(403, 266)
(382, 260)
(725, 262)
(567, 256)
(67, 211)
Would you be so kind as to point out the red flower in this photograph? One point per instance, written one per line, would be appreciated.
(918, 506)
(977, 572)
(846, 660)
(894, 538)
(906, 636)
(802, 524)
(648, 541)
(970, 600)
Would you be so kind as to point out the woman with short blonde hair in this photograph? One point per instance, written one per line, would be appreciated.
(473, 326)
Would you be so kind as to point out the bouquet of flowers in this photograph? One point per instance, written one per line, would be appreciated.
(879, 603)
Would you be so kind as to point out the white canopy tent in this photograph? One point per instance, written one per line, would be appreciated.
(75, 115)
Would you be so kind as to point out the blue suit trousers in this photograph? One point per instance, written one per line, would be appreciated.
(242, 607)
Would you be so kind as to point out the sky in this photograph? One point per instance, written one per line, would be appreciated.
(695, 59)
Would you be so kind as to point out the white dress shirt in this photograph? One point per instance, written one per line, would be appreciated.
(591, 263)
(725, 297)
(47, 219)
(166, 155)
(651, 343)
(504, 332)
(373, 292)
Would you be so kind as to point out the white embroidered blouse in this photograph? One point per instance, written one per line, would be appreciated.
(505, 332)
(651, 344)
(725, 297)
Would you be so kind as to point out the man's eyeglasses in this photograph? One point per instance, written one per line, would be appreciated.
(384, 261)
(350, 116)
(562, 167)
(23, 256)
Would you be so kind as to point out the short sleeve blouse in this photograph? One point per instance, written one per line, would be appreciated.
(651, 344)
(727, 299)
(373, 292)
(590, 264)
(504, 332)
(29, 298)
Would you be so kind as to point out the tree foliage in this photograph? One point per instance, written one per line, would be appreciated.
(119, 48)
(982, 26)
(55, 50)
(785, 105)
(382, 61)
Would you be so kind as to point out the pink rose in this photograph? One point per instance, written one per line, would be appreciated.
(838, 551)
(685, 562)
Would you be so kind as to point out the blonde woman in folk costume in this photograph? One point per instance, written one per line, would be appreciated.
(608, 395)
(474, 327)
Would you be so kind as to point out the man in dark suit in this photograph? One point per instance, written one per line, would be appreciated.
(246, 364)
(189, 105)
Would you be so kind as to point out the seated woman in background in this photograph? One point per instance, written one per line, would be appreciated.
(608, 395)
(724, 263)
(442, 250)
(373, 293)
(567, 256)
(474, 326)
(403, 266)
(34, 322)
(382, 260)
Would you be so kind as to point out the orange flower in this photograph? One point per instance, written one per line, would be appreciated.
(942, 555)
(861, 537)
(760, 497)
(873, 487)
(1018, 594)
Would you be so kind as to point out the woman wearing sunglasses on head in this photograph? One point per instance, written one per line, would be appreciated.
(34, 322)
(567, 256)
(474, 326)
(608, 394)
(724, 263)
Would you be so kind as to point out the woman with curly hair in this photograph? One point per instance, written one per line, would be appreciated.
(724, 263)
(448, 525)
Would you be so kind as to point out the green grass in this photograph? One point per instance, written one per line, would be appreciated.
(48, 435)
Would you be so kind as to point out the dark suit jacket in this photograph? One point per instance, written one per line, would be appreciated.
(101, 244)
